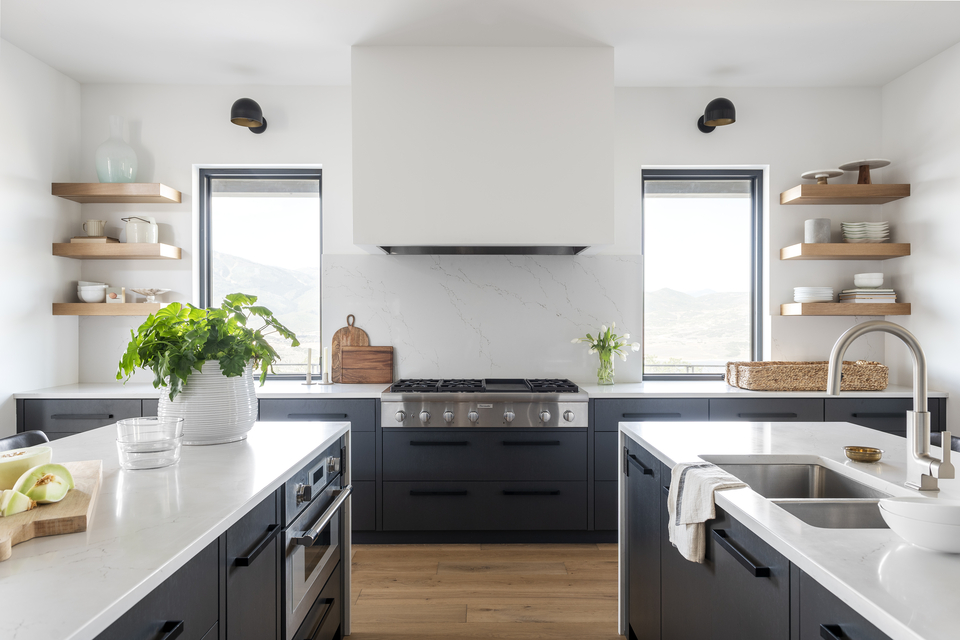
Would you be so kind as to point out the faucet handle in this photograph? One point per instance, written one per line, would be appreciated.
(945, 466)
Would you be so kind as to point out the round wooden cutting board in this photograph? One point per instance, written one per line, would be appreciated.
(349, 336)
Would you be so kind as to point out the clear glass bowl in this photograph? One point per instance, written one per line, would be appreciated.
(149, 443)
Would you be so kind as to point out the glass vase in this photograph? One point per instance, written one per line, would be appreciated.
(605, 371)
(116, 160)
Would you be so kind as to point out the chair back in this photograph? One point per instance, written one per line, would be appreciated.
(22, 440)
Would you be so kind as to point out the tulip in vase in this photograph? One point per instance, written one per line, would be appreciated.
(606, 345)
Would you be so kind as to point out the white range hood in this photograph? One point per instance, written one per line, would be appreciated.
(482, 149)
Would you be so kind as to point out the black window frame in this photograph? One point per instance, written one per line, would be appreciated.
(755, 177)
(206, 174)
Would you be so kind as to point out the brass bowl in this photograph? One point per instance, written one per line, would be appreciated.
(863, 454)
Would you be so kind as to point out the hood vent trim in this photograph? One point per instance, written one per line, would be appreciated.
(498, 250)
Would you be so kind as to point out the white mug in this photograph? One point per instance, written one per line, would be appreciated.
(94, 227)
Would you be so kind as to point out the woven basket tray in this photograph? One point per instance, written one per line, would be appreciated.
(861, 375)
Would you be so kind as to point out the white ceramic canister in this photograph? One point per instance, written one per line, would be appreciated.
(142, 229)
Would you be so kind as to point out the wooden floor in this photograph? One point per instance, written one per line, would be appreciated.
(510, 591)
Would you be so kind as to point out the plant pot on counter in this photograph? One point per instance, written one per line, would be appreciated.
(215, 409)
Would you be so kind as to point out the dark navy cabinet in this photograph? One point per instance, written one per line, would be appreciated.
(253, 573)
(642, 476)
(883, 414)
(61, 418)
(825, 616)
(766, 409)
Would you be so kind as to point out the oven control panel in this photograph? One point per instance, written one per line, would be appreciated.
(483, 414)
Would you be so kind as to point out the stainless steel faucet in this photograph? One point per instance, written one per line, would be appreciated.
(923, 470)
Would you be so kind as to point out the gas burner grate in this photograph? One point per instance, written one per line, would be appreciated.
(461, 385)
(415, 385)
(552, 386)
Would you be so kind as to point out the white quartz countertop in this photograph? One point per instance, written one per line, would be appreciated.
(296, 389)
(907, 592)
(146, 525)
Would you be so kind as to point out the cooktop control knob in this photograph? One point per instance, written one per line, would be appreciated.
(448, 416)
(473, 416)
(544, 416)
(568, 415)
(508, 416)
(424, 417)
(401, 416)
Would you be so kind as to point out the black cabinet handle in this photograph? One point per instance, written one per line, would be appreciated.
(82, 416)
(530, 443)
(438, 493)
(530, 493)
(831, 632)
(758, 572)
(171, 629)
(247, 560)
(651, 416)
(438, 443)
(666, 490)
(767, 416)
(880, 415)
(330, 417)
(647, 471)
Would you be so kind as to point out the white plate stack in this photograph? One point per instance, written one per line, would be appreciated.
(867, 232)
(812, 294)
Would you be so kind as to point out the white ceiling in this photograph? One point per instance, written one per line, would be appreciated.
(657, 42)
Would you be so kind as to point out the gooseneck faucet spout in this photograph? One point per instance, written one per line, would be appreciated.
(923, 470)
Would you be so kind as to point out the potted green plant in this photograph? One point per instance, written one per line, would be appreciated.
(606, 345)
(205, 359)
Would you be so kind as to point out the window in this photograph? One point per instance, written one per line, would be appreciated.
(701, 271)
(260, 234)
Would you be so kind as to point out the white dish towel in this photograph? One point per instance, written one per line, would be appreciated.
(690, 504)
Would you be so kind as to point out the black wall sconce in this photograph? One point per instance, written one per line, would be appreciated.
(719, 112)
(247, 113)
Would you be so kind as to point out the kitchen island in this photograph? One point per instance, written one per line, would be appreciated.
(905, 592)
(146, 525)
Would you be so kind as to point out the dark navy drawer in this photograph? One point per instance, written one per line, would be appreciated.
(766, 409)
(610, 413)
(361, 414)
(76, 416)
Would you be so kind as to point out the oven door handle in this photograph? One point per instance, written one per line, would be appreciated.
(310, 537)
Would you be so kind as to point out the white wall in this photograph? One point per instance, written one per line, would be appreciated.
(40, 110)
(791, 131)
(921, 135)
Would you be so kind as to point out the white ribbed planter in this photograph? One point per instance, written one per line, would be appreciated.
(215, 409)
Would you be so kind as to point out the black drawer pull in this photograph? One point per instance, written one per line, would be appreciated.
(246, 561)
(82, 416)
(767, 416)
(171, 629)
(758, 572)
(438, 443)
(651, 416)
(438, 493)
(666, 490)
(880, 415)
(831, 632)
(647, 471)
(319, 417)
(530, 443)
(530, 493)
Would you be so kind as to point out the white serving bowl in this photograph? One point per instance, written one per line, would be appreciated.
(84, 283)
(96, 295)
(935, 536)
(868, 279)
(927, 509)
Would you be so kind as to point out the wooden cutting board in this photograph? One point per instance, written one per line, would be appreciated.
(70, 515)
(349, 336)
(367, 365)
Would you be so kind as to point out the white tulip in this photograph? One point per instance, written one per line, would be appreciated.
(575, 341)
(592, 350)
(603, 330)
(623, 357)
(635, 346)
(613, 325)
(625, 336)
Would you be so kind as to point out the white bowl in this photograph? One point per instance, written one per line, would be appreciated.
(929, 535)
(868, 279)
(84, 283)
(937, 510)
(98, 295)
(97, 288)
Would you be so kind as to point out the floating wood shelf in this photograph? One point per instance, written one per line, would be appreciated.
(116, 251)
(113, 192)
(105, 309)
(844, 193)
(844, 309)
(845, 251)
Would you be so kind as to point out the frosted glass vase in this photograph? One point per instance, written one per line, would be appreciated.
(116, 160)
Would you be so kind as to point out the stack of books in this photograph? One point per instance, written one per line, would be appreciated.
(870, 296)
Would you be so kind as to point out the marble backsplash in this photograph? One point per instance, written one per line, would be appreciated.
(486, 316)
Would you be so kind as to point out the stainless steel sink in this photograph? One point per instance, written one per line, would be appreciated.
(836, 514)
(800, 481)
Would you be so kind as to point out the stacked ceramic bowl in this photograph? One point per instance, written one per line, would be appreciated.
(926, 522)
(812, 294)
(868, 232)
(92, 291)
